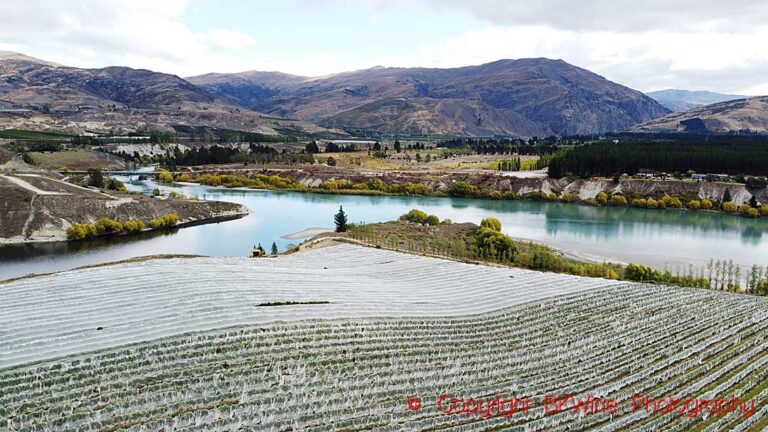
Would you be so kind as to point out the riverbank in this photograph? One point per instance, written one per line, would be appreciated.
(732, 198)
(39, 209)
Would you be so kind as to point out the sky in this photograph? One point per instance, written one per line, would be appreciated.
(648, 45)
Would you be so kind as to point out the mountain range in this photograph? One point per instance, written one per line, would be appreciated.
(524, 97)
(507, 97)
(682, 100)
(37, 94)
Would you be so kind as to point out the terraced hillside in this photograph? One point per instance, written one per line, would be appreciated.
(224, 344)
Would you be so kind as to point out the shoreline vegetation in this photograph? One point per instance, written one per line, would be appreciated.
(419, 233)
(467, 189)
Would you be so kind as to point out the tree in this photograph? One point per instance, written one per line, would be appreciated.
(331, 161)
(398, 147)
(753, 202)
(491, 223)
(96, 178)
(274, 248)
(312, 148)
(340, 219)
(727, 196)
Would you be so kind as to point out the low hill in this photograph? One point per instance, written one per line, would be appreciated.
(741, 115)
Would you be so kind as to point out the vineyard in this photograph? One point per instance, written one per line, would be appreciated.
(351, 334)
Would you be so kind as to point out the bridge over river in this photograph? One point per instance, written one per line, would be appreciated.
(126, 173)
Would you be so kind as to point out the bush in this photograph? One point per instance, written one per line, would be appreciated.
(106, 225)
(166, 221)
(568, 197)
(496, 195)
(491, 223)
(706, 204)
(670, 202)
(763, 210)
(552, 196)
(166, 176)
(450, 222)
(462, 189)
(748, 211)
(416, 216)
(730, 207)
(183, 178)
(639, 202)
(80, 231)
(590, 201)
(433, 220)
(694, 204)
(618, 200)
(156, 192)
(651, 203)
(116, 185)
(133, 226)
(601, 198)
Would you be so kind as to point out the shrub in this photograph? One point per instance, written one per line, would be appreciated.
(491, 223)
(639, 202)
(763, 210)
(156, 192)
(166, 176)
(618, 200)
(106, 225)
(496, 195)
(462, 189)
(166, 221)
(433, 220)
(377, 184)
(170, 219)
(133, 226)
(730, 207)
(416, 216)
(590, 201)
(116, 185)
(694, 204)
(706, 204)
(552, 196)
(568, 197)
(670, 202)
(601, 198)
(748, 210)
(183, 178)
(80, 231)
(450, 222)
(651, 203)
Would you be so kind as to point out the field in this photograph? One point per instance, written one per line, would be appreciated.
(189, 343)
(33, 135)
(77, 160)
(407, 161)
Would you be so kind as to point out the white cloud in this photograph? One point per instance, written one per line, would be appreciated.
(619, 15)
(652, 60)
(647, 45)
(140, 33)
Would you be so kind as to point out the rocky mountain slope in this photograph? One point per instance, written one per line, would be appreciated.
(37, 94)
(681, 100)
(743, 115)
(510, 97)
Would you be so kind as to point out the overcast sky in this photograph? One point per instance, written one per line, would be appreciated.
(645, 44)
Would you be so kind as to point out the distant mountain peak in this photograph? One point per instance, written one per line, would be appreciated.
(681, 100)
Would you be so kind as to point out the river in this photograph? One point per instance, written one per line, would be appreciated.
(653, 237)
